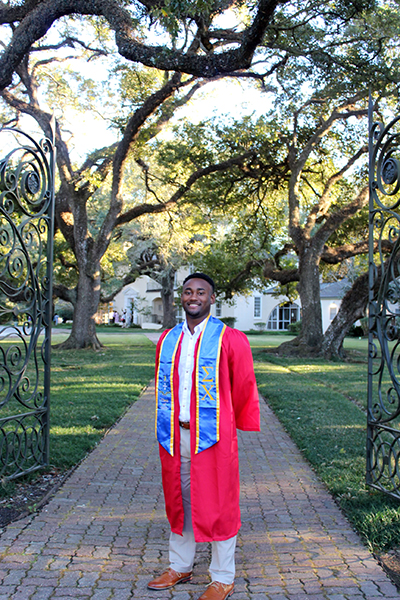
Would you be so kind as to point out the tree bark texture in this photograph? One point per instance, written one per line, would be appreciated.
(83, 333)
(310, 338)
(352, 308)
(309, 292)
(167, 296)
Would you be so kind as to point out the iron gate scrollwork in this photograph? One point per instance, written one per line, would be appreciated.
(26, 247)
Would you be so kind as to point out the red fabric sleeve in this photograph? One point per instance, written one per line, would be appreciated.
(245, 398)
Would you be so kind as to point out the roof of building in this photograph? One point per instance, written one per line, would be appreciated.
(335, 289)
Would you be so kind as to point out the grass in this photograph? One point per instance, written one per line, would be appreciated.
(322, 406)
(90, 391)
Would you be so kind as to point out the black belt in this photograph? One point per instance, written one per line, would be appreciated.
(184, 424)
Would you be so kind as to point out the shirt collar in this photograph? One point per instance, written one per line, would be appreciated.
(198, 329)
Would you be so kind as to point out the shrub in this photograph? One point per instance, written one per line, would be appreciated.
(356, 331)
(229, 321)
(295, 328)
(64, 310)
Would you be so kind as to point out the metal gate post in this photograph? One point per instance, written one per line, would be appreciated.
(27, 169)
(383, 422)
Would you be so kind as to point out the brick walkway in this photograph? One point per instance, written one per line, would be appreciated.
(104, 534)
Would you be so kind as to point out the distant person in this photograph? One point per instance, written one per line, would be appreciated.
(205, 389)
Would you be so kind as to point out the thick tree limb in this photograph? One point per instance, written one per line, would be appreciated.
(36, 18)
(269, 271)
(131, 133)
(334, 256)
(283, 276)
(297, 160)
(64, 293)
(336, 219)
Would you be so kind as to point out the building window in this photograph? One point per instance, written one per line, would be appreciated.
(218, 309)
(179, 311)
(257, 307)
(282, 316)
(332, 311)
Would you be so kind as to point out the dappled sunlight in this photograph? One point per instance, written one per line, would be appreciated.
(349, 427)
(268, 341)
(74, 430)
(113, 387)
(134, 339)
(269, 368)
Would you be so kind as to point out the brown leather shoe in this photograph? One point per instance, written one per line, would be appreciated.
(217, 591)
(168, 579)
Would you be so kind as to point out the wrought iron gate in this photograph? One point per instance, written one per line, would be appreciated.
(26, 246)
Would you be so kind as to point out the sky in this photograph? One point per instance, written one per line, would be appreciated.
(225, 97)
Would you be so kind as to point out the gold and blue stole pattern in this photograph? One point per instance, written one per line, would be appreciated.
(165, 389)
(206, 382)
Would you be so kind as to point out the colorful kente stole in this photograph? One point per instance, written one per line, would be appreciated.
(206, 382)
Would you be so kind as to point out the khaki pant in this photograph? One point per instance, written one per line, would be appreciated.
(182, 548)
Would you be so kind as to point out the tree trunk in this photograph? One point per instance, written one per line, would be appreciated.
(352, 308)
(167, 296)
(83, 334)
(309, 340)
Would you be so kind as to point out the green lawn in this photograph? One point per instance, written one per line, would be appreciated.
(322, 406)
(91, 390)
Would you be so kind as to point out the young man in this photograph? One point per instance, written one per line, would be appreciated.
(205, 389)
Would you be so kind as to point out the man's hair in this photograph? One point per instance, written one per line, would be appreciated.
(201, 276)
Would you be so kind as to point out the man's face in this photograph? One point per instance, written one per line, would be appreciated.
(197, 297)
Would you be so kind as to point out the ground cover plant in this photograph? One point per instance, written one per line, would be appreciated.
(322, 406)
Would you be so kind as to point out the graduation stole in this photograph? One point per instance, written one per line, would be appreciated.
(206, 384)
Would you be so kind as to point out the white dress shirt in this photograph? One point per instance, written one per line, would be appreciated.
(185, 369)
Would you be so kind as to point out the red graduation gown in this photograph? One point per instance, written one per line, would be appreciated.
(215, 471)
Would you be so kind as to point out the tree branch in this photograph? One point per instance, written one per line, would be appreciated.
(131, 132)
(36, 18)
(141, 269)
(146, 208)
(321, 208)
(336, 219)
(297, 161)
(334, 256)
(64, 293)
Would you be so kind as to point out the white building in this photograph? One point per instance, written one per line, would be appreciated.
(141, 303)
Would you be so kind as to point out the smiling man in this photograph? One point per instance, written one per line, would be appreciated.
(205, 390)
